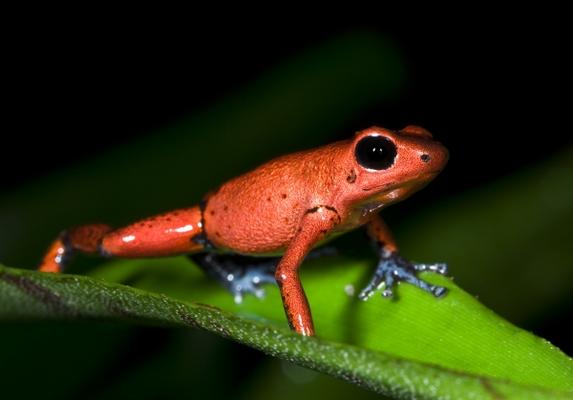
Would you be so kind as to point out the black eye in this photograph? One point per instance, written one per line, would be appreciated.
(375, 152)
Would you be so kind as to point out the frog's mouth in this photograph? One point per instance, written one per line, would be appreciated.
(391, 194)
(393, 189)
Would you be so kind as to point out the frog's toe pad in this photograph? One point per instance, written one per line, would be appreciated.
(249, 282)
(440, 268)
(393, 269)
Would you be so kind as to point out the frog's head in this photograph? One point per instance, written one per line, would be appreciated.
(388, 166)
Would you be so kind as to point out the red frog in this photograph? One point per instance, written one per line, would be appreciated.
(259, 227)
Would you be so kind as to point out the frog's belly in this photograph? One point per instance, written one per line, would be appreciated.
(261, 245)
(255, 232)
(273, 253)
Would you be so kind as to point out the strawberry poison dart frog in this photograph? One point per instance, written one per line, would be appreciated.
(259, 227)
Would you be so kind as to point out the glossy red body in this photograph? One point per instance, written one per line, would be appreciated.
(286, 206)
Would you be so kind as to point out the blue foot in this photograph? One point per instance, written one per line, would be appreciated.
(392, 269)
(250, 281)
(242, 275)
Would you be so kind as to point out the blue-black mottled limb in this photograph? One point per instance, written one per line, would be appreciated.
(392, 268)
(68, 252)
(201, 238)
(244, 274)
(238, 274)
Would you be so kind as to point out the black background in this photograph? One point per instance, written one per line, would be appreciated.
(502, 84)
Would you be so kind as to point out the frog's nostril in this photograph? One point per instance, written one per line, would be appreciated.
(425, 158)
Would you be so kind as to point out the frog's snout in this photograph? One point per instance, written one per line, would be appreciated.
(435, 156)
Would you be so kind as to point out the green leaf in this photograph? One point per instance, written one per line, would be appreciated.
(415, 347)
(508, 241)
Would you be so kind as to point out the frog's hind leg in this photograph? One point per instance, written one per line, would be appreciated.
(238, 274)
(85, 239)
(173, 233)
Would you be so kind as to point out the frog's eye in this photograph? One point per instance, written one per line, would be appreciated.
(375, 152)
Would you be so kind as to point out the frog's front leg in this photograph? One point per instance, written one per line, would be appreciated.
(315, 225)
(392, 268)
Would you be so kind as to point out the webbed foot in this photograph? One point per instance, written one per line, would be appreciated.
(392, 269)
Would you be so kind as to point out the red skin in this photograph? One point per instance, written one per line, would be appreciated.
(287, 206)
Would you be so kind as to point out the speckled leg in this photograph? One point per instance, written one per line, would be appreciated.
(243, 274)
(392, 269)
(84, 239)
(168, 234)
